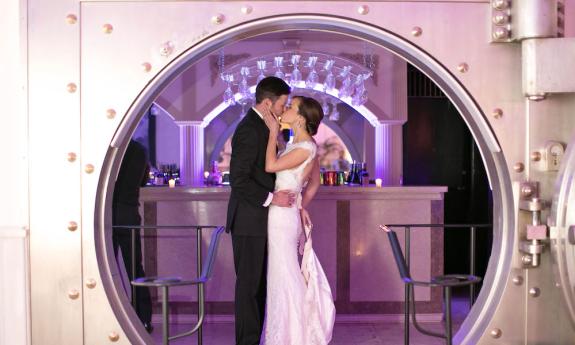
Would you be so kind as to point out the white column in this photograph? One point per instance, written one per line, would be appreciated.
(191, 152)
(388, 153)
(383, 153)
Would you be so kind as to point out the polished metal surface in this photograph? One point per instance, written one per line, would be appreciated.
(562, 219)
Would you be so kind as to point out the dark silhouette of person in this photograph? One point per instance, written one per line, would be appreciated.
(133, 174)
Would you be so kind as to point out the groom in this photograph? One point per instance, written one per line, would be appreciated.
(252, 193)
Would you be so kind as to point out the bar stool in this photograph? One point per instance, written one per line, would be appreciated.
(166, 282)
(447, 282)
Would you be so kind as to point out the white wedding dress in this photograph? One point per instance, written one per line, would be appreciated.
(299, 304)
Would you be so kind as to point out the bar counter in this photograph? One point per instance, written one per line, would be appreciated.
(354, 253)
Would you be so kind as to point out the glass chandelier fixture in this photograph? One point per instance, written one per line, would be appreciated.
(328, 74)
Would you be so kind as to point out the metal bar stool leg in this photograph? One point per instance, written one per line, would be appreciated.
(133, 267)
(448, 331)
(201, 286)
(472, 240)
(407, 290)
(165, 317)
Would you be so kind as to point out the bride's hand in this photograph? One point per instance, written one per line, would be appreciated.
(305, 218)
(271, 121)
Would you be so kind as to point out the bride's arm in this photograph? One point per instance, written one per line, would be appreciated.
(310, 191)
(312, 184)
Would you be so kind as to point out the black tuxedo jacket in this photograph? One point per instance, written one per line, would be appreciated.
(250, 183)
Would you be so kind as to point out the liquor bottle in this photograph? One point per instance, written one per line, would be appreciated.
(215, 175)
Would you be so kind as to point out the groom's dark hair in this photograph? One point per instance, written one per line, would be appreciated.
(272, 88)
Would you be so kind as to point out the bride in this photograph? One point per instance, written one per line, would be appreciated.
(299, 304)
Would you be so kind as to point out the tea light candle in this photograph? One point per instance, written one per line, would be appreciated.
(378, 182)
(172, 183)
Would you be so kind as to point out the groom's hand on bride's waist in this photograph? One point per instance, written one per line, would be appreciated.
(284, 198)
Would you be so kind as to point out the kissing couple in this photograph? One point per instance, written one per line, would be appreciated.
(278, 300)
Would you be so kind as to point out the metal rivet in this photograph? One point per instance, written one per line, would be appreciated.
(89, 168)
(518, 167)
(73, 294)
(526, 191)
(518, 280)
(534, 292)
(107, 28)
(497, 113)
(247, 9)
(167, 48)
(500, 33)
(363, 9)
(71, 87)
(500, 18)
(72, 226)
(110, 113)
(146, 67)
(526, 259)
(71, 157)
(71, 19)
(499, 4)
(91, 283)
(536, 156)
(218, 18)
(416, 31)
(114, 336)
(496, 333)
(463, 67)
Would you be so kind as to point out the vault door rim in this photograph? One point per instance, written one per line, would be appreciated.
(493, 158)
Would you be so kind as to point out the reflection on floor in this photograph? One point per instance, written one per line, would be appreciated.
(344, 333)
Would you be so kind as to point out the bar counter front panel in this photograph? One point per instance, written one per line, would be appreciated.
(354, 253)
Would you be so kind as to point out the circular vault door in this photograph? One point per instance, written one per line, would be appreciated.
(563, 229)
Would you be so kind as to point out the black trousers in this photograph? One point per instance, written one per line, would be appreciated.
(250, 260)
(122, 239)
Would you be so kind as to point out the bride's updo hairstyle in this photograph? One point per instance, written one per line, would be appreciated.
(312, 111)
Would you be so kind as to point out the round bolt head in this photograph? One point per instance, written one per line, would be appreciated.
(518, 167)
(497, 113)
(71, 87)
(518, 280)
(89, 168)
(499, 4)
(534, 292)
(526, 191)
(71, 19)
(72, 226)
(107, 28)
(218, 19)
(500, 18)
(247, 9)
(110, 113)
(463, 67)
(496, 333)
(363, 9)
(114, 336)
(416, 31)
(71, 157)
(167, 48)
(73, 294)
(536, 156)
(500, 33)
(526, 259)
(91, 283)
(146, 67)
